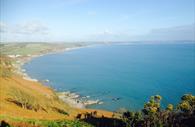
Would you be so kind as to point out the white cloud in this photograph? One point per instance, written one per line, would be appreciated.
(33, 27)
(106, 32)
(3, 27)
(30, 28)
(27, 31)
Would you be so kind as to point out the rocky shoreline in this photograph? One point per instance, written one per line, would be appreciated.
(75, 100)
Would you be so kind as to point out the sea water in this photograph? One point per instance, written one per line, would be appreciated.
(122, 76)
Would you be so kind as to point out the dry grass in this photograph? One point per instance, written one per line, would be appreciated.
(20, 97)
(27, 99)
(6, 67)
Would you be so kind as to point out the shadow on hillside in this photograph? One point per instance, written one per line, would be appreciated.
(4, 124)
(96, 121)
(104, 122)
(61, 111)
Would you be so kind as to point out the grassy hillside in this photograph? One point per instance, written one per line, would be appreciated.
(29, 99)
(20, 97)
(34, 48)
(25, 102)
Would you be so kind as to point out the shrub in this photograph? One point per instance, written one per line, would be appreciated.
(153, 115)
(169, 107)
(187, 104)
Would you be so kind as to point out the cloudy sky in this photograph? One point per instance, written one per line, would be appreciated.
(96, 20)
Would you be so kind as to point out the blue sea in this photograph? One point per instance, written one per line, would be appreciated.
(122, 75)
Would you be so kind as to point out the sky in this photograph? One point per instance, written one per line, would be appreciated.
(96, 20)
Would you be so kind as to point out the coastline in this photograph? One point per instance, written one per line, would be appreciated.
(68, 97)
(22, 60)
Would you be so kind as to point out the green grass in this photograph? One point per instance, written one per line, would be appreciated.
(46, 123)
(23, 48)
(33, 48)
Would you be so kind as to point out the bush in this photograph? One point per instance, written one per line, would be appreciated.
(153, 116)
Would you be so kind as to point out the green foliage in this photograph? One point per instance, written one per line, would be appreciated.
(187, 104)
(131, 118)
(169, 107)
(48, 123)
(157, 98)
(153, 116)
(184, 106)
(138, 116)
(189, 98)
(128, 118)
(153, 105)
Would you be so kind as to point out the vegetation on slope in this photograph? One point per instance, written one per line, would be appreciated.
(24, 122)
(27, 103)
(23, 101)
(152, 115)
